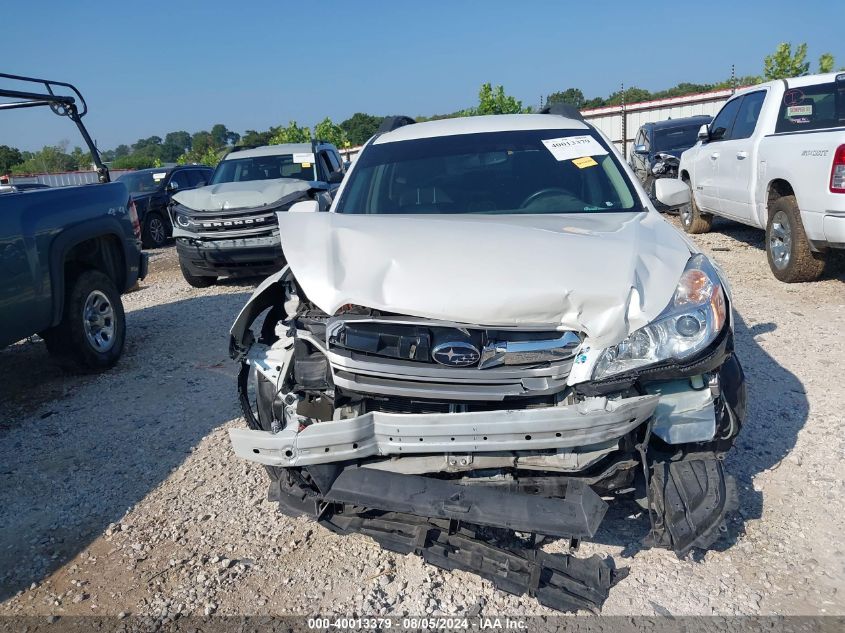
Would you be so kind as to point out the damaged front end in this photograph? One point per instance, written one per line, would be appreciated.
(467, 444)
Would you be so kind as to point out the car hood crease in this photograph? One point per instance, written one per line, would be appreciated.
(241, 195)
(601, 274)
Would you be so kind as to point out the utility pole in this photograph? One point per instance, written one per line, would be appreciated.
(733, 79)
(624, 124)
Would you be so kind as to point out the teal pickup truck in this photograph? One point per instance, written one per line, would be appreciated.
(67, 253)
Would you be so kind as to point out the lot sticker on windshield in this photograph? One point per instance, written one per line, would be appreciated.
(570, 147)
(304, 159)
(584, 161)
(799, 110)
(160, 176)
(306, 165)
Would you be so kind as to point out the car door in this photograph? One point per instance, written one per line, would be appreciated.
(708, 158)
(331, 165)
(639, 161)
(736, 168)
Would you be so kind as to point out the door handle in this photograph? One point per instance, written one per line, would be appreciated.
(714, 155)
(742, 155)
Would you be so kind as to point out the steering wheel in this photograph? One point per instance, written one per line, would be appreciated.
(548, 191)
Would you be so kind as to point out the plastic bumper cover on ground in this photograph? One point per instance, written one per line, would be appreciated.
(589, 422)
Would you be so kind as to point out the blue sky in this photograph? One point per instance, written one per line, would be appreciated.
(151, 67)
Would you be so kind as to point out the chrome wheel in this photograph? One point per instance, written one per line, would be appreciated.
(98, 321)
(157, 230)
(780, 240)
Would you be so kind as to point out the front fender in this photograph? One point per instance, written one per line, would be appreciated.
(267, 294)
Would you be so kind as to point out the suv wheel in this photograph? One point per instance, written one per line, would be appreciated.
(154, 233)
(92, 332)
(692, 219)
(787, 247)
(196, 281)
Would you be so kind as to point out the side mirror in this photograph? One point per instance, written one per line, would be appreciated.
(672, 193)
(704, 133)
(640, 149)
(306, 206)
(336, 177)
(172, 186)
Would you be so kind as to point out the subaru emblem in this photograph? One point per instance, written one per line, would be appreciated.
(456, 354)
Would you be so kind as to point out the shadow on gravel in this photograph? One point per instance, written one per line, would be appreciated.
(756, 238)
(777, 410)
(75, 464)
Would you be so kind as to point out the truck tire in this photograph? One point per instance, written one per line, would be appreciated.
(787, 247)
(154, 231)
(692, 219)
(92, 332)
(196, 281)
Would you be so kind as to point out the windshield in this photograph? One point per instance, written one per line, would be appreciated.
(676, 137)
(143, 181)
(299, 166)
(813, 107)
(531, 171)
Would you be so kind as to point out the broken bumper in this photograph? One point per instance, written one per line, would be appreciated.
(376, 433)
(231, 257)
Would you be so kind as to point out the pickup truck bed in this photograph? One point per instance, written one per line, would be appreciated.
(67, 253)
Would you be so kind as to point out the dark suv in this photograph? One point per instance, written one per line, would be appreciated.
(658, 148)
(152, 189)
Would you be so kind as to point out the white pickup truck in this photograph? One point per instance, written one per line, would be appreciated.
(774, 158)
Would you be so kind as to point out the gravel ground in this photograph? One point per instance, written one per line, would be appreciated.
(120, 493)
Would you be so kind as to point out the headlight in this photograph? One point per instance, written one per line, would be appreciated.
(691, 321)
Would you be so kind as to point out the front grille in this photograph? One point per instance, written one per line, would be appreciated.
(449, 345)
(229, 224)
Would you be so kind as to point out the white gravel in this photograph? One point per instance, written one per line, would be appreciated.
(119, 494)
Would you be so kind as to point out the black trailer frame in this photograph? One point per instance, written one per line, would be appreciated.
(62, 105)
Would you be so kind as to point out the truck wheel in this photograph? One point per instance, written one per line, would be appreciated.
(787, 246)
(692, 219)
(92, 332)
(196, 281)
(154, 233)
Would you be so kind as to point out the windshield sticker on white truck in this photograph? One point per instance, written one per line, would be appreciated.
(572, 147)
(303, 159)
(160, 176)
(799, 110)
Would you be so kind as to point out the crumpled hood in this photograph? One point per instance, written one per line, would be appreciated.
(602, 274)
(240, 195)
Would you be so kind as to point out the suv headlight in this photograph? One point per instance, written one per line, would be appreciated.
(691, 321)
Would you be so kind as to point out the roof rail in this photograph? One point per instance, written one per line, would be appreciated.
(563, 109)
(390, 123)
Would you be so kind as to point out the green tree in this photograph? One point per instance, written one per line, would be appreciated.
(209, 156)
(632, 95)
(570, 96)
(291, 134)
(51, 159)
(135, 161)
(495, 101)
(826, 63)
(783, 63)
(122, 150)
(360, 127)
(331, 132)
(175, 144)
(81, 159)
(222, 136)
(251, 138)
(9, 157)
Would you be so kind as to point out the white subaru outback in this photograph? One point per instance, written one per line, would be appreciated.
(490, 333)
